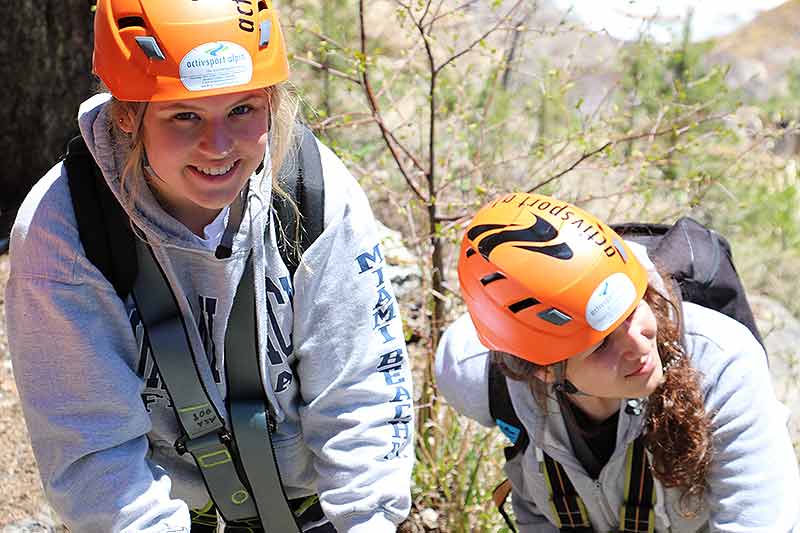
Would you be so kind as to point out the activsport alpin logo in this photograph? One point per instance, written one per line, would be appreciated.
(215, 65)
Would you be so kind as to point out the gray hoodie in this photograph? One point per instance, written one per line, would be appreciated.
(753, 484)
(335, 365)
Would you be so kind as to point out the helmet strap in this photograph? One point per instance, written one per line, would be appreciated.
(562, 384)
(147, 168)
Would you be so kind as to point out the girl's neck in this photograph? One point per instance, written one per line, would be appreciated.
(597, 409)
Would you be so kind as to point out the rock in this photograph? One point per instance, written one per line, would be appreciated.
(781, 332)
(44, 522)
(430, 518)
(403, 267)
(29, 526)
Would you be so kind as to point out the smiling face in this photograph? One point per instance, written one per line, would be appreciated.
(203, 151)
(625, 365)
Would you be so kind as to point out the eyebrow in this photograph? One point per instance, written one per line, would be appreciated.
(188, 106)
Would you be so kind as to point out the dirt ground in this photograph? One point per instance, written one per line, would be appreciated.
(20, 488)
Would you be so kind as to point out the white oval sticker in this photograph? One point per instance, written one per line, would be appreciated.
(609, 301)
(215, 65)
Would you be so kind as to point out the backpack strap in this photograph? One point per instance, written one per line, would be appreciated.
(637, 513)
(302, 179)
(499, 497)
(250, 417)
(104, 228)
(503, 413)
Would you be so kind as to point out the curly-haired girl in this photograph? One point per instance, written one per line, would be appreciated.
(644, 413)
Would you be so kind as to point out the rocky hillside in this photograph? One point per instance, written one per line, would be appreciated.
(761, 52)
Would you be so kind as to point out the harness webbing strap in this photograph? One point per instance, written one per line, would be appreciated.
(206, 437)
(568, 508)
(637, 514)
(500, 496)
(502, 411)
(249, 411)
(310, 189)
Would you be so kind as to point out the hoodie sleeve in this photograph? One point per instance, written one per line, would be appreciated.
(352, 364)
(72, 347)
(462, 364)
(753, 482)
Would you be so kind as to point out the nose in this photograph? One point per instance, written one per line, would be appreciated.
(216, 141)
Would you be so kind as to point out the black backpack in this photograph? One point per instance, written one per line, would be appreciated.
(108, 239)
(701, 263)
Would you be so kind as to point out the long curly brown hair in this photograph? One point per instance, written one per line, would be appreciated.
(678, 429)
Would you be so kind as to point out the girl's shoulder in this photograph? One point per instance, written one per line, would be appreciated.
(44, 240)
(710, 330)
(462, 370)
(722, 349)
(343, 195)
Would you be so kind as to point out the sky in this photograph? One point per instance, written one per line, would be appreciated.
(623, 19)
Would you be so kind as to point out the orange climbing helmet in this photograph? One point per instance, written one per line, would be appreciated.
(544, 280)
(155, 50)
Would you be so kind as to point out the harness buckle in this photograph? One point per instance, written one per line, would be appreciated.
(184, 444)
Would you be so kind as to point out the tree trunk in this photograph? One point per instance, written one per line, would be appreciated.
(46, 48)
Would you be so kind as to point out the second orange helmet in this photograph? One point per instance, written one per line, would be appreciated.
(545, 280)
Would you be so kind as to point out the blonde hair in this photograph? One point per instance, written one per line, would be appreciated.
(283, 138)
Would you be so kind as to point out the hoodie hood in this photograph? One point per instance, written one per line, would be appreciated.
(110, 149)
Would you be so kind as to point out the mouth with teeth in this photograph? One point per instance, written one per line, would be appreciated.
(216, 173)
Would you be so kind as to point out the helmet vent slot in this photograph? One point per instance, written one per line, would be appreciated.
(130, 22)
(265, 32)
(491, 278)
(150, 48)
(471, 252)
(516, 307)
(262, 5)
(554, 316)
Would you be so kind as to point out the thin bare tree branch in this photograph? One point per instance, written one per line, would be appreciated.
(586, 155)
(332, 123)
(425, 12)
(481, 38)
(326, 68)
(321, 37)
(373, 104)
(438, 16)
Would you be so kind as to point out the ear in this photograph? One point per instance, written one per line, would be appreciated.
(126, 122)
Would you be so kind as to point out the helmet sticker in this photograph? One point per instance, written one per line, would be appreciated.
(609, 301)
(215, 65)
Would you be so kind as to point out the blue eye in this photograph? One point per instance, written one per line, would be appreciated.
(241, 109)
(185, 115)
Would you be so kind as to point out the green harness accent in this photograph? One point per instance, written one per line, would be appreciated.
(636, 513)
